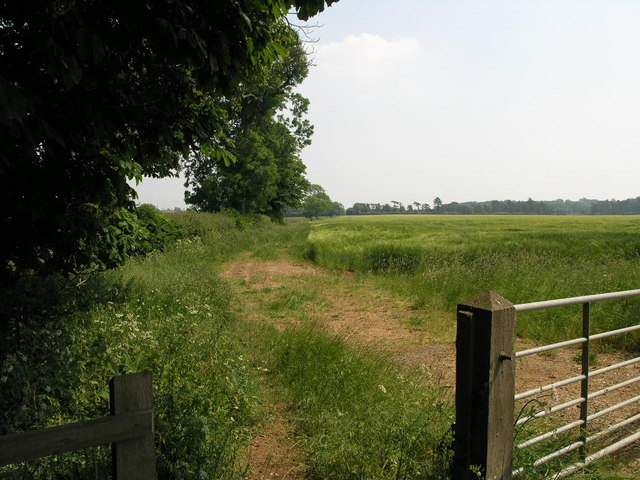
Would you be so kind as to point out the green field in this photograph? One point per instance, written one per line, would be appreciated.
(438, 261)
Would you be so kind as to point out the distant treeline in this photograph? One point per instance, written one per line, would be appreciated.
(584, 206)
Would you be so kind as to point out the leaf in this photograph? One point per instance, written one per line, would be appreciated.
(73, 74)
(13, 105)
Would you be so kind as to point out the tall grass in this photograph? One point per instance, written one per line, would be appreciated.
(438, 261)
(357, 415)
(167, 312)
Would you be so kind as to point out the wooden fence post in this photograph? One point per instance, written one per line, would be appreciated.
(135, 458)
(485, 386)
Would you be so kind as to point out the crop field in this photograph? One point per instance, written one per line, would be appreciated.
(437, 261)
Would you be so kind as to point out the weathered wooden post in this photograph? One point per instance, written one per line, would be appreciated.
(134, 458)
(485, 385)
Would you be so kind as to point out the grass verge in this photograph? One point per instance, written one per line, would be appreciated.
(167, 312)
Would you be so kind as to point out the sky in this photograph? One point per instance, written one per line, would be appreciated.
(469, 100)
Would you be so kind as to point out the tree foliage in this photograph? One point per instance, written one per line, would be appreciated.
(95, 93)
(584, 206)
(316, 203)
(267, 132)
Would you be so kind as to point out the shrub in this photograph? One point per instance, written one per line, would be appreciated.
(158, 231)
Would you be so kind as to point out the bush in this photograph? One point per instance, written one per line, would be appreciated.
(158, 231)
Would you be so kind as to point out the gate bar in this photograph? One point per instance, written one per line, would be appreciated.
(549, 434)
(553, 346)
(584, 385)
(614, 332)
(614, 427)
(555, 408)
(611, 388)
(527, 307)
(614, 447)
(577, 378)
(614, 407)
(614, 366)
(546, 388)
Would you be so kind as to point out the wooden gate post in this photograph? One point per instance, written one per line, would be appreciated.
(485, 387)
(135, 458)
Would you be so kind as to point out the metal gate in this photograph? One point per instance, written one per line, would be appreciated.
(485, 391)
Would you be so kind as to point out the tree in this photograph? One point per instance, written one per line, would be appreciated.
(95, 93)
(268, 132)
(359, 209)
(316, 203)
(437, 204)
(337, 209)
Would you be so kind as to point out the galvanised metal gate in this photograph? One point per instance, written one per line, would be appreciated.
(485, 390)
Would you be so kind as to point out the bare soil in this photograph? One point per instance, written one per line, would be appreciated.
(273, 452)
(364, 315)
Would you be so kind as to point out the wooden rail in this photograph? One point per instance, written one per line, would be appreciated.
(129, 429)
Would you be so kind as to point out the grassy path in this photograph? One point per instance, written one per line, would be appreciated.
(283, 293)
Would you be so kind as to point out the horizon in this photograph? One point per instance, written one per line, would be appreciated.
(444, 203)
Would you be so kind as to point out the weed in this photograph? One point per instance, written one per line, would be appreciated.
(167, 312)
(593, 358)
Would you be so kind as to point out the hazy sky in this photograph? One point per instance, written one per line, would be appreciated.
(470, 100)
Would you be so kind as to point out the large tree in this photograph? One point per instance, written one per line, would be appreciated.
(93, 93)
(267, 132)
(317, 203)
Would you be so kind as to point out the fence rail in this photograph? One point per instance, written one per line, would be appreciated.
(129, 429)
(485, 389)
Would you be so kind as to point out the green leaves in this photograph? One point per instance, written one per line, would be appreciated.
(93, 94)
(217, 154)
(309, 8)
(316, 203)
(261, 172)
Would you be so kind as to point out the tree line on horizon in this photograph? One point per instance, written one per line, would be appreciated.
(584, 206)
